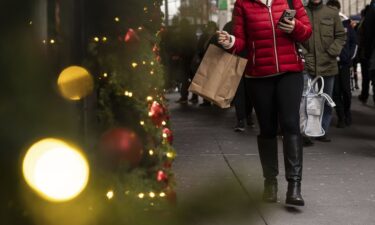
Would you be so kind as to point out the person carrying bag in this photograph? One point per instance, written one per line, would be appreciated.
(275, 81)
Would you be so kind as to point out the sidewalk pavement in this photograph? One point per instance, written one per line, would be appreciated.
(338, 182)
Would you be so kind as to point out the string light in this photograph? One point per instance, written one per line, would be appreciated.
(152, 195)
(144, 62)
(152, 72)
(96, 39)
(170, 155)
(151, 152)
(110, 194)
(164, 123)
(44, 41)
(149, 98)
(134, 64)
(141, 195)
(117, 19)
(104, 39)
(52, 41)
(152, 63)
(105, 74)
(31, 22)
(165, 135)
(127, 192)
(162, 194)
(140, 28)
(142, 123)
(129, 94)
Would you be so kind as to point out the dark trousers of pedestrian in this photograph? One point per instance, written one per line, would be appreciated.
(242, 102)
(276, 101)
(366, 78)
(342, 94)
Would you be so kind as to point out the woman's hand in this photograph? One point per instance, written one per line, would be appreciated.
(225, 39)
(287, 26)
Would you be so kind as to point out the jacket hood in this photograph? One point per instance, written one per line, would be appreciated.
(315, 6)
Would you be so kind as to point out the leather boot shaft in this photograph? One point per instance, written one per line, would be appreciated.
(293, 157)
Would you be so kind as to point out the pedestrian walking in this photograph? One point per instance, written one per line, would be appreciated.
(242, 102)
(208, 37)
(274, 79)
(369, 43)
(186, 42)
(364, 60)
(322, 50)
(342, 94)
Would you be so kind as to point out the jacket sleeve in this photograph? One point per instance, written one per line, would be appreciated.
(352, 42)
(340, 37)
(238, 28)
(302, 30)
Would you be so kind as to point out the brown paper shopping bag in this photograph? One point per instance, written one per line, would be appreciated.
(218, 76)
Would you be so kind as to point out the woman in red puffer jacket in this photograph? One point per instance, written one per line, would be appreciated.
(274, 82)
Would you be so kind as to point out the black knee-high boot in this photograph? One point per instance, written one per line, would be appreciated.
(293, 159)
(268, 156)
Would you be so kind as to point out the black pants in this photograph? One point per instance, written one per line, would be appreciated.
(276, 101)
(342, 94)
(366, 78)
(242, 102)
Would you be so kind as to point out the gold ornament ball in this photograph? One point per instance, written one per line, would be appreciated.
(75, 83)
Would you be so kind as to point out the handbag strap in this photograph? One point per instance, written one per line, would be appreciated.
(314, 83)
(290, 3)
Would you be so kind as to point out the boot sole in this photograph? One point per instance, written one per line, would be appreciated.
(294, 203)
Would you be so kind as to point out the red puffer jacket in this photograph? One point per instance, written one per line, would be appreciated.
(270, 50)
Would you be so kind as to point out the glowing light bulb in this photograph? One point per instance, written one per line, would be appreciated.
(52, 41)
(96, 39)
(142, 123)
(117, 19)
(170, 155)
(141, 195)
(152, 195)
(149, 98)
(105, 74)
(151, 152)
(110, 194)
(104, 39)
(162, 194)
(134, 64)
(163, 123)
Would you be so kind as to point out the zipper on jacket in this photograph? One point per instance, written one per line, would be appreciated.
(253, 53)
(274, 38)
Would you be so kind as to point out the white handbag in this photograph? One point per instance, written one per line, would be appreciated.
(312, 108)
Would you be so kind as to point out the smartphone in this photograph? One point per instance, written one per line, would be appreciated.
(288, 14)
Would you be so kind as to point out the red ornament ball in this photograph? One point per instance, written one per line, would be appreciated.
(158, 113)
(161, 176)
(168, 135)
(131, 36)
(122, 145)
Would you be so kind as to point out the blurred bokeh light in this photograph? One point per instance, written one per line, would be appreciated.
(75, 83)
(56, 170)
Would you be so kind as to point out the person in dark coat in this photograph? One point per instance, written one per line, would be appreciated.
(342, 94)
(369, 43)
(363, 56)
(186, 42)
(208, 37)
(242, 101)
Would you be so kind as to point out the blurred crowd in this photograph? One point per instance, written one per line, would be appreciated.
(183, 47)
